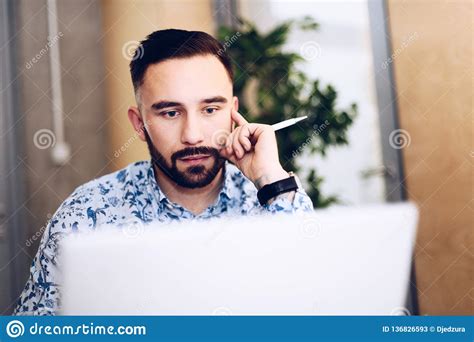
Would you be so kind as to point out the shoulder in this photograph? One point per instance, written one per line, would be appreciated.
(96, 198)
(132, 174)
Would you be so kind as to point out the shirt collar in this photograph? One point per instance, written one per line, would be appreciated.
(160, 196)
(227, 184)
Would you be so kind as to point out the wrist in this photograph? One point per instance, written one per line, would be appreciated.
(270, 176)
(283, 187)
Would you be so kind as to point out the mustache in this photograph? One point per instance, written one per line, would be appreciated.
(191, 151)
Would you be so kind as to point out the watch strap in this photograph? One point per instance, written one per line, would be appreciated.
(276, 188)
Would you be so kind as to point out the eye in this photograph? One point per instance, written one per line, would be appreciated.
(170, 114)
(210, 110)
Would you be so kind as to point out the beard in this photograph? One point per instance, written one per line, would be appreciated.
(195, 176)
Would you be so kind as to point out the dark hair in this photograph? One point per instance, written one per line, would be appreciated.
(167, 44)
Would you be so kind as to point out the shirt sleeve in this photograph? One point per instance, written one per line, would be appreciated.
(40, 296)
(300, 203)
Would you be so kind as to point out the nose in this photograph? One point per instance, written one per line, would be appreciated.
(192, 133)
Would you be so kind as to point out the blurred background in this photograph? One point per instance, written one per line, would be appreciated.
(387, 86)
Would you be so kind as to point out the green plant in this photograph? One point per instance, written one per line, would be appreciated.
(272, 89)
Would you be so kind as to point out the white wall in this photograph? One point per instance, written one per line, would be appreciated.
(345, 61)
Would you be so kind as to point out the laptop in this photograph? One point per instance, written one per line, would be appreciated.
(337, 261)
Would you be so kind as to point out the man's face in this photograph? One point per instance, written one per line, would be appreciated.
(187, 104)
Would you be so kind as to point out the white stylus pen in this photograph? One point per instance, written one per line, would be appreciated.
(286, 123)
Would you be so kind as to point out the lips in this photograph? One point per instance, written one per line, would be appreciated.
(195, 157)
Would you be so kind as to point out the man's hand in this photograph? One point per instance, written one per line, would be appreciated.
(253, 149)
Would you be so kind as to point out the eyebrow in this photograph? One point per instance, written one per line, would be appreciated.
(166, 104)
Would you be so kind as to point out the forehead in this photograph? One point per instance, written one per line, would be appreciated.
(186, 80)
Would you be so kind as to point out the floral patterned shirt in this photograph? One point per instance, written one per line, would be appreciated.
(124, 197)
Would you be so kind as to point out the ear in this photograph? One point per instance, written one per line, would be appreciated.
(235, 106)
(235, 103)
(137, 122)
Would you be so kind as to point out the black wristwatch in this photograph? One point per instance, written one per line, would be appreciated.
(276, 188)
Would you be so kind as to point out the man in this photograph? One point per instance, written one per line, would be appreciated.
(206, 159)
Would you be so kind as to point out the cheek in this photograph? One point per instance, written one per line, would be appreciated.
(164, 140)
(223, 121)
(217, 129)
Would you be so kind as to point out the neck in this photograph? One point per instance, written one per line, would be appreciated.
(194, 200)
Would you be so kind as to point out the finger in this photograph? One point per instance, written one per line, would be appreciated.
(228, 144)
(228, 152)
(236, 146)
(238, 118)
(244, 138)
